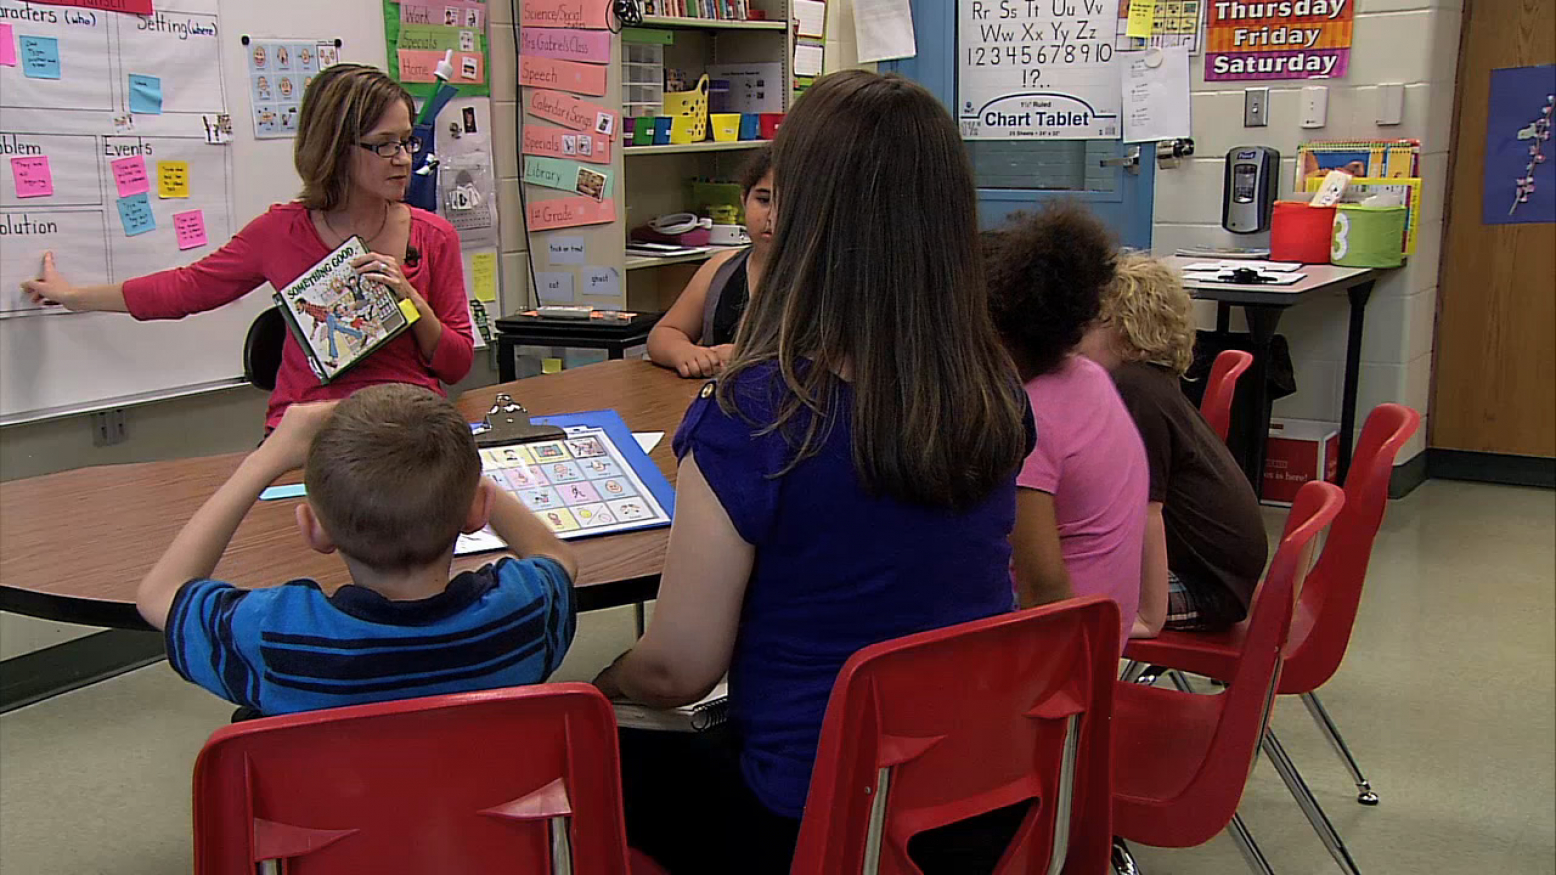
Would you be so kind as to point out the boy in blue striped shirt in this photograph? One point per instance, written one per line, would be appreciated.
(393, 477)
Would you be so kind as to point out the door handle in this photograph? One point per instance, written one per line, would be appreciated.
(1130, 160)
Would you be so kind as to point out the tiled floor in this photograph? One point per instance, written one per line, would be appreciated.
(1448, 698)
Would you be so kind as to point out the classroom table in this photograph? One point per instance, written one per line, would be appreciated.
(74, 545)
(1263, 306)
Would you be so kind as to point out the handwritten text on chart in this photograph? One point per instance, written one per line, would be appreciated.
(129, 175)
(1037, 69)
(559, 143)
(32, 176)
(568, 212)
(138, 7)
(569, 111)
(587, 14)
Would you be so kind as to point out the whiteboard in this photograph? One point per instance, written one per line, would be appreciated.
(58, 363)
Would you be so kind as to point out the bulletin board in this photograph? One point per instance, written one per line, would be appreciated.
(99, 87)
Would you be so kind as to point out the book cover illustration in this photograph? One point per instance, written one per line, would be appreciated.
(339, 317)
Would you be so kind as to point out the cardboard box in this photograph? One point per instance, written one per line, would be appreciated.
(1297, 451)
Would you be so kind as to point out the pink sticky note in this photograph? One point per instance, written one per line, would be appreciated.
(31, 175)
(190, 228)
(129, 174)
(7, 46)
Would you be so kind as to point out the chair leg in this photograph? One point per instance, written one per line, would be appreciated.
(1123, 861)
(1364, 793)
(1309, 805)
(1245, 843)
(1180, 680)
(1132, 671)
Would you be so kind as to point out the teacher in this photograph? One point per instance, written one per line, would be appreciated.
(353, 152)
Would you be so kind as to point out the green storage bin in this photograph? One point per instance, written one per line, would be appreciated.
(1368, 236)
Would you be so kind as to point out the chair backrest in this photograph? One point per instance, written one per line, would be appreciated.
(1220, 387)
(1245, 706)
(516, 780)
(1326, 608)
(262, 349)
(934, 728)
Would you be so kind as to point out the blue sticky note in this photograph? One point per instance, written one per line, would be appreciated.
(40, 57)
(145, 95)
(135, 213)
(294, 490)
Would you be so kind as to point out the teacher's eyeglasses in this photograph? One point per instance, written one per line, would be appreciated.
(389, 150)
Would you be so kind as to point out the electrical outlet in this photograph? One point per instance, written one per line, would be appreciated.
(1256, 107)
(109, 428)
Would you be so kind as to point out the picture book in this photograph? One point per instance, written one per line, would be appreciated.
(338, 317)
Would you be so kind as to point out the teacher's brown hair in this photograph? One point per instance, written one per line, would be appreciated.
(339, 107)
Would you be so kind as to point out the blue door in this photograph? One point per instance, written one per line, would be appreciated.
(1018, 174)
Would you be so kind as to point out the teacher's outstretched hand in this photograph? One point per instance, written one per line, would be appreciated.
(53, 290)
(354, 151)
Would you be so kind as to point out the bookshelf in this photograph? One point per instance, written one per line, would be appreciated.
(654, 178)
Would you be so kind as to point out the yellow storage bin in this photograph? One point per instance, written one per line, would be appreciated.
(684, 129)
(691, 105)
(726, 126)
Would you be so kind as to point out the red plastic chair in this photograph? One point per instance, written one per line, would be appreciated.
(1216, 405)
(519, 780)
(934, 728)
(1181, 760)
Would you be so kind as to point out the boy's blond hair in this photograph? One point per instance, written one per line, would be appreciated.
(392, 475)
(1152, 313)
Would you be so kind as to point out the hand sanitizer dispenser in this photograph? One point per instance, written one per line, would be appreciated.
(1248, 194)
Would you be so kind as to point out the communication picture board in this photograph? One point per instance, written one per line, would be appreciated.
(596, 481)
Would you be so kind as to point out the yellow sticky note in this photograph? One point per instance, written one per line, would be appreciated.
(172, 179)
(483, 276)
(1141, 14)
(409, 309)
(550, 366)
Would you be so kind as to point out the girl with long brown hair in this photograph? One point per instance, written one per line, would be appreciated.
(849, 478)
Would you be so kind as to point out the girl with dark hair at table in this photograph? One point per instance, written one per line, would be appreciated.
(849, 479)
(696, 337)
(353, 152)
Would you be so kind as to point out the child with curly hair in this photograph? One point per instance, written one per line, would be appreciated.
(1204, 538)
(1081, 501)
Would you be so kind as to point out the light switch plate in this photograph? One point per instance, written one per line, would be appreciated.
(1315, 106)
(1391, 104)
(1256, 107)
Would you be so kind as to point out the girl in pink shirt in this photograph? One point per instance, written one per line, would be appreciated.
(353, 152)
(1081, 501)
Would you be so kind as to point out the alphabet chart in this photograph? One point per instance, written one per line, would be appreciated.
(596, 481)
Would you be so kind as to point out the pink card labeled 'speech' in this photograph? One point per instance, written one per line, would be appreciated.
(562, 143)
(566, 75)
(570, 212)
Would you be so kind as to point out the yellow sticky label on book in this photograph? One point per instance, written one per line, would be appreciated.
(409, 309)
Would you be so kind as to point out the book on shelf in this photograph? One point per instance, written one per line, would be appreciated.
(710, 712)
(338, 317)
